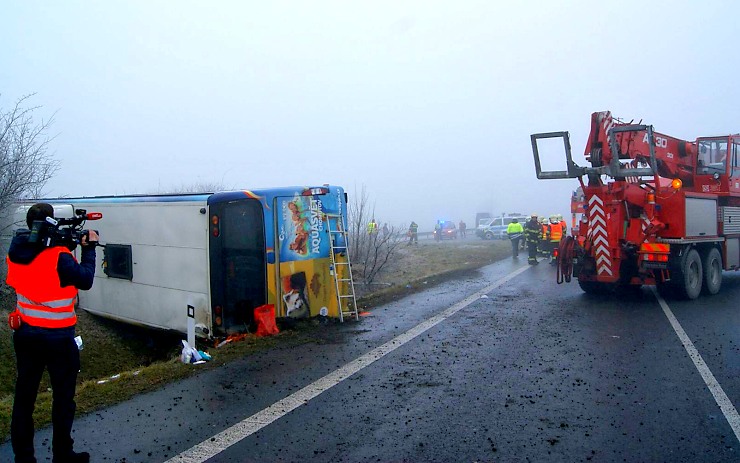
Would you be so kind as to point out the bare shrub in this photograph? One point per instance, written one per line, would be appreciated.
(370, 252)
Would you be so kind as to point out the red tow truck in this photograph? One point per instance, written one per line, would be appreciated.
(657, 210)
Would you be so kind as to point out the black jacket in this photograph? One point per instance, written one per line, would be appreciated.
(533, 231)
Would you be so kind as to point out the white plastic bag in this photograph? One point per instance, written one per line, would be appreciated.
(186, 356)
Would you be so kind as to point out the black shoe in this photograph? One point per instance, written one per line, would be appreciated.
(74, 457)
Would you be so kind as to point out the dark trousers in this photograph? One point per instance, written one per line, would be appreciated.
(547, 247)
(60, 355)
(515, 246)
(532, 248)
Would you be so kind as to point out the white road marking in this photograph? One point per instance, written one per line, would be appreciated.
(720, 397)
(245, 428)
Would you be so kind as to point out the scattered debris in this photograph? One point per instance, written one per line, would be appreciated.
(114, 377)
(232, 338)
(192, 355)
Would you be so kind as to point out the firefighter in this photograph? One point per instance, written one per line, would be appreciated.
(563, 224)
(46, 280)
(532, 235)
(514, 231)
(557, 228)
(413, 233)
(555, 232)
(545, 236)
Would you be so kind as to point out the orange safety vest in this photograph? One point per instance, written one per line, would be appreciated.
(42, 301)
(556, 231)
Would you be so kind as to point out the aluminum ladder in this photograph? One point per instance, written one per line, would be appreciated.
(341, 267)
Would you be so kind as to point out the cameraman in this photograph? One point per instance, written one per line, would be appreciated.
(46, 280)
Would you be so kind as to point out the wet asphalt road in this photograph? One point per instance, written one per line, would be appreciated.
(535, 371)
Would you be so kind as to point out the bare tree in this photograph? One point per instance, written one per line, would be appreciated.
(196, 187)
(370, 252)
(25, 163)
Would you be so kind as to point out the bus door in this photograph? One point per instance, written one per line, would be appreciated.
(237, 264)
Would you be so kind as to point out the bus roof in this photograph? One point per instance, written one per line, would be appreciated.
(260, 193)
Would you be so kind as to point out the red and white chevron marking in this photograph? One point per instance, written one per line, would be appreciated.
(645, 222)
(597, 233)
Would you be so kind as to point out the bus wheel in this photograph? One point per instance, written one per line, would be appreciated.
(688, 280)
(712, 266)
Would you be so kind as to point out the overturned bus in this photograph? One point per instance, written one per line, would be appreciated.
(219, 255)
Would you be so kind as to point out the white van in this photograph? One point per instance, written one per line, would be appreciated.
(497, 228)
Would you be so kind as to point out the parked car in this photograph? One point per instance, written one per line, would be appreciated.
(446, 231)
(496, 229)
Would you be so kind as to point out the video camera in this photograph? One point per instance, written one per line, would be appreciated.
(62, 232)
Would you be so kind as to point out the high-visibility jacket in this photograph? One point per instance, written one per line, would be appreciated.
(42, 301)
(514, 228)
(556, 231)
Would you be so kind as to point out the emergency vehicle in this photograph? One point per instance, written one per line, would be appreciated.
(656, 210)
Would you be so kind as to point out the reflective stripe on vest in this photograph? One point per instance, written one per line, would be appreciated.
(42, 301)
(53, 310)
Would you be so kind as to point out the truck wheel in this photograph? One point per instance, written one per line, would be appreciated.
(688, 280)
(488, 236)
(712, 266)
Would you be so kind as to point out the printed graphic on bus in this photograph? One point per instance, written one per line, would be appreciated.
(302, 234)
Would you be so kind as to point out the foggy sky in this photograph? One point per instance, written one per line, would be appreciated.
(427, 104)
